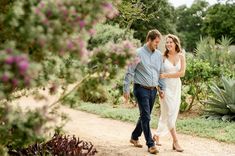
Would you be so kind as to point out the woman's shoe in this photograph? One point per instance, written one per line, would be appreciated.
(156, 140)
(178, 149)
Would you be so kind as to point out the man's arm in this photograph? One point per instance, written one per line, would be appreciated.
(129, 76)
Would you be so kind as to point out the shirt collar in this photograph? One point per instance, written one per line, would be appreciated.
(148, 50)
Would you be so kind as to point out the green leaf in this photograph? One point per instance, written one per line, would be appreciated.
(218, 111)
(215, 103)
(226, 118)
(214, 117)
(219, 93)
(232, 107)
(229, 86)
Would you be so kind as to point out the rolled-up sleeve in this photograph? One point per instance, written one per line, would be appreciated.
(129, 76)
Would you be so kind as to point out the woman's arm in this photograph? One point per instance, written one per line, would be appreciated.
(161, 81)
(178, 74)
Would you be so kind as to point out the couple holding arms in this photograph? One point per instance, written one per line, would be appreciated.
(154, 74)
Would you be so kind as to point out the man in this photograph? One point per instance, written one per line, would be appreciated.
(146, 73)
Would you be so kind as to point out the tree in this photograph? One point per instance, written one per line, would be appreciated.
(129, 12)
(219, 21)
(143, 15)
(189, 23)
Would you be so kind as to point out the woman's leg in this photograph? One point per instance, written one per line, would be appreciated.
(156, 139)
(175, 145)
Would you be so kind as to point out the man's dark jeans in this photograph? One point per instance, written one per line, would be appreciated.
(145, 99)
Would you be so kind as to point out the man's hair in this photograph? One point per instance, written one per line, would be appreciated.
(153, 34)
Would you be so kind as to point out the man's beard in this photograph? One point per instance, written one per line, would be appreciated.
(153, 48)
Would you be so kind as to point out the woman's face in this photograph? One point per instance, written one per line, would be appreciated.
(170, 44)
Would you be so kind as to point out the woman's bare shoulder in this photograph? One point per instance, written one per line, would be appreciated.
(164, 58)
(181, 55)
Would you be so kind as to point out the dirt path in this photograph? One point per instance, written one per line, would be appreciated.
(111, 137)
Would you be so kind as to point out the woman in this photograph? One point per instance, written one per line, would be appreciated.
(174, 68)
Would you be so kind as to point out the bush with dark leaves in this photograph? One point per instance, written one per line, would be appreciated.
(59, 145)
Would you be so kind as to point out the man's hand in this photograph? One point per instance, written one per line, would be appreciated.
(161, 94)
(126, 97)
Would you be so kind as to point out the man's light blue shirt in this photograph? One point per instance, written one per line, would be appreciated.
(147, 71)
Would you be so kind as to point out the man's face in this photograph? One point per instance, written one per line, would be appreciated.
(154, 43)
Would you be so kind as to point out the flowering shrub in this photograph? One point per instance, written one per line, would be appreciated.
(17, 131)
(112, 56)
(56, 25)
(103, 66)
(41, 28)
(106, 33)
(38, 33)
(14, 70)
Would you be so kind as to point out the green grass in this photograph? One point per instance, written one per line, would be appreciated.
(216, 129)
(107, 111)
(197, 126)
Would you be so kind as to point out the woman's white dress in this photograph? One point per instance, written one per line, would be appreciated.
(170, 104)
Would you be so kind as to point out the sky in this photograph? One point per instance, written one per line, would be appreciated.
(177, 3)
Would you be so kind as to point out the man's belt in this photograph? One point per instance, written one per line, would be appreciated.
(145, 87)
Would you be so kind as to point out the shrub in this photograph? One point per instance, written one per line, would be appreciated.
(198, 74)
(222, 103)
(114, 57)
(59, 145)
(17, 131)
(106, 33)
(219, 55)
(91, 91)
(116, 93)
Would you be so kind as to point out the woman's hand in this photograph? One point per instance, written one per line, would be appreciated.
(161, 94)
(162, 76)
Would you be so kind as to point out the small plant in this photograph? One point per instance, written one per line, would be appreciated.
(184, 106)
(222, 104)
(116, 93)
(91, 91)
(59, 145)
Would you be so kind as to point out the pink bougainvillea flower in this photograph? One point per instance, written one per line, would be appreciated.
(9, 50)
(4, 78)
(70, 45)
(27, 80)
(82, 24)
(15, 82)
(10, 60)
(23, 66)
(92, 32)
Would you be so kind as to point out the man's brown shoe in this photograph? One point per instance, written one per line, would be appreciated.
(136, 143)
(153, 150)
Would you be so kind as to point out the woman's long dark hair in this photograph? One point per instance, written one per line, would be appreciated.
(177, 44)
